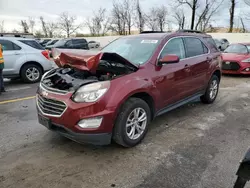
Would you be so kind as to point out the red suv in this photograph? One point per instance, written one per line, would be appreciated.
(95, 97)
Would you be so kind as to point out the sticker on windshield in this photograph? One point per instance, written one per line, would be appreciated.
(149, 41)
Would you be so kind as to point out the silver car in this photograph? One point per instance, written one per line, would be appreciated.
(24, 58)
(94, 44)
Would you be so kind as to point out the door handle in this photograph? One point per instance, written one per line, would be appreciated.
(17, 53)
(186, 66)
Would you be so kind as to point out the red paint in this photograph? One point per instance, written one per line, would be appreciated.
(165, 84)
(232, 57)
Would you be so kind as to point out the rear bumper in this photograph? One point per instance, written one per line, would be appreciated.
(95, 139)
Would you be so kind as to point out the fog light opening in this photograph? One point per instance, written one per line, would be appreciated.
(90, 123)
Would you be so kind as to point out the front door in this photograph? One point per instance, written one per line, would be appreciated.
(173, 80)
(11, 54)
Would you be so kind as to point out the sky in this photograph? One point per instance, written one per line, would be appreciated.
(12, 11)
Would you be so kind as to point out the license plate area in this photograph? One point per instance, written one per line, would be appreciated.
(44, 121)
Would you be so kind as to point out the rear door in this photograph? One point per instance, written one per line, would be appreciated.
(173, 80)
(199, 59)
(11, 54)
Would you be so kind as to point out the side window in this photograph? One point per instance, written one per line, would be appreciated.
(194, 47)
(205, 49)
(69, 43)
(174, 47)
(8, 45)
(79, 41)
(212, 44)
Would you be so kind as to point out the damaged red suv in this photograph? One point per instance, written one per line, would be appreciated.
(113, 94)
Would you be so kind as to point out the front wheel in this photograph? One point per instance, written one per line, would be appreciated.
(211, 91)
(132, 122)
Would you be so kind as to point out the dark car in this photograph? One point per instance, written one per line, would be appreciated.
(95, 97)
(236, 59)
(75, 43)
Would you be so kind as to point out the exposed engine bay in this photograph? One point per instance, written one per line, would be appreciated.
(70, 78)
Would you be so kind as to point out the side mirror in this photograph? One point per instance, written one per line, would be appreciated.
(243, 172)
(168, 59)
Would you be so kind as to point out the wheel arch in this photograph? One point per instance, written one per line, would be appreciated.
(217, 73)
(30, 63)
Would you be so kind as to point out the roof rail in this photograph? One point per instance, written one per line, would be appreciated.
(189, 31)
(144, 32)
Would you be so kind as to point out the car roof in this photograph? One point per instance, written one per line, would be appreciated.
(16, 38)
(162, 35)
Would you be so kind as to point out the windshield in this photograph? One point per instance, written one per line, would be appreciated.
(136, 50)
(60, 42)
(237, 48)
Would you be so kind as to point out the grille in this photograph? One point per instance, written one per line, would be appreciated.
(232, 66)
(50, 106)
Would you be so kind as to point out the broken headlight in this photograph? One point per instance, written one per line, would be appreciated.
(91, 92)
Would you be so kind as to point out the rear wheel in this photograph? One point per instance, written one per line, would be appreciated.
(31, 73)
(132, 122)
(211, 91)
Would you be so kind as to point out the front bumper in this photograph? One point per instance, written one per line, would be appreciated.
(236, 72)
(95, 139)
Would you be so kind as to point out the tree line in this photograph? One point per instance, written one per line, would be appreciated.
(128, 15)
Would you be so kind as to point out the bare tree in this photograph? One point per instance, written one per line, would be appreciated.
(210, 9)
(99, 24)
(118, 19)
(128, 12)
(31, 24)
(243, 25)
(180, 18)
(193, 4)
(231, 12)
(44, 26)
(2, 26)
(247, 2)
(67, 23)
(161, 17)
(25, 26)
(51, 27)
(140, 17)
(151, 19)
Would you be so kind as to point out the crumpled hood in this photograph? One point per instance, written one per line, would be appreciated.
(86, 59)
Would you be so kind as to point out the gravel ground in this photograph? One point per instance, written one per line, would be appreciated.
(194, 146)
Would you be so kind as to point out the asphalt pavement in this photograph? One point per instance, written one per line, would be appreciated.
(194, 146)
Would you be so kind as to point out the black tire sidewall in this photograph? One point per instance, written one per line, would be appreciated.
(23, 73)
(120, 126)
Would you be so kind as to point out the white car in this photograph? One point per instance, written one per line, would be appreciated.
(24, 58)
(94, 44)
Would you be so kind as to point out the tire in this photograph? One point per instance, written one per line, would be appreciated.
(209, 98)
(128, 110)
(36, 76)
(97, 46)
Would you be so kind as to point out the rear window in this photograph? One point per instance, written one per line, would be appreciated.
(79, 41)
(33, 44)
(212, 43)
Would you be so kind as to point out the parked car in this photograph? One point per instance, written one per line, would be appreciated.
(72, 43)
(94, 97)
(218, 44)
(51, 42)
(94, 44)
(43, 42)
(223, 44)
(24, 58)
(236, 59)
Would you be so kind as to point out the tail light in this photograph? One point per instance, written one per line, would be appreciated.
(45, 54)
